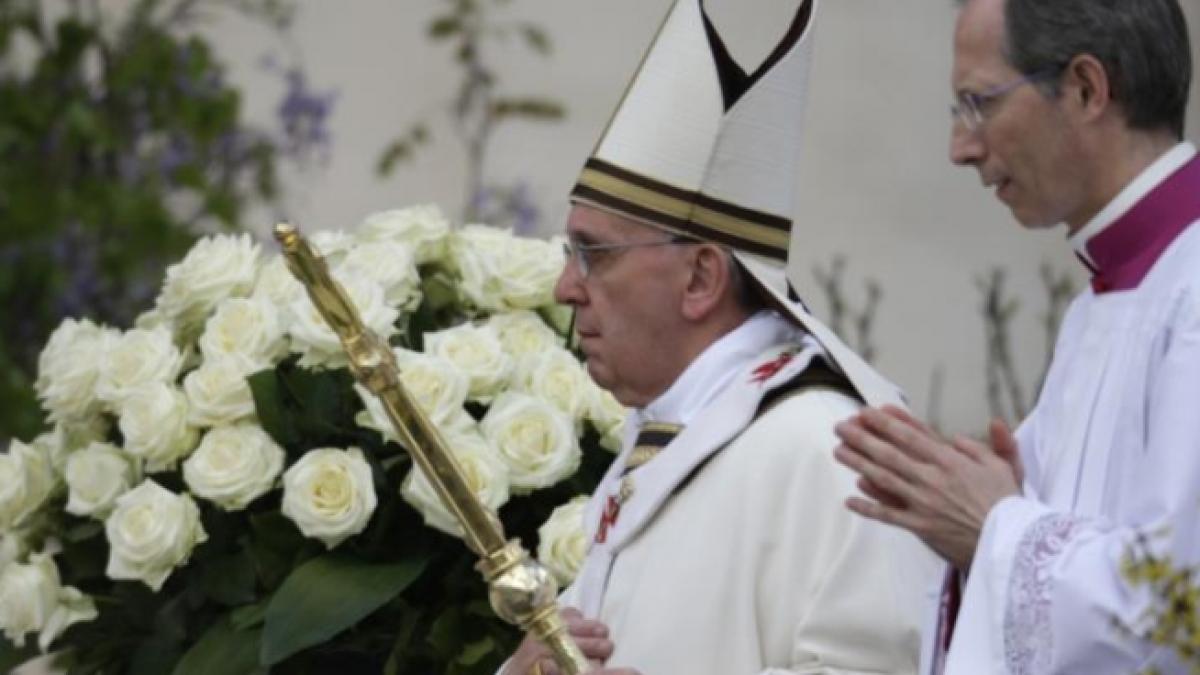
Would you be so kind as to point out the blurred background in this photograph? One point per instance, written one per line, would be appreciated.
(128, 128)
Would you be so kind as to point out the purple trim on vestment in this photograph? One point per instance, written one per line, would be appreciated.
(1126, 250)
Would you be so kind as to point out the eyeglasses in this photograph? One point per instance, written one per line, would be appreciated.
(586, 255)
(970, 107)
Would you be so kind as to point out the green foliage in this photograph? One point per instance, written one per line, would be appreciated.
(479, 109)
(327, 595)
(1173, 618)
(119, 140)
(258, 596)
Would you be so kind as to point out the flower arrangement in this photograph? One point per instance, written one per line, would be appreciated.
(216, 495)
(1171, 618)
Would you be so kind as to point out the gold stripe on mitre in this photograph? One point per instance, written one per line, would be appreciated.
(686, 212)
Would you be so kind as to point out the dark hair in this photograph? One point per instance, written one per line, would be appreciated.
(1142, 44)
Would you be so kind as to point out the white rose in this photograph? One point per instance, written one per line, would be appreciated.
(390, 264)
(13, 548)
(562, 543)
(529, 270)
(329, 494)
(332, 245)
(477, 352)
(153, 318)
(65, 438)
(217, 267)
(316, 341)
(500, 271)
(523, 332)
(96, 476)
(69, 367)
(26, 480)
(433, 382)
(218, 393)
(136, 358)
(535, 439)
(150, 533)
(476, 253)
(424, 228)
(33, 600)
(485, 473)
(247, 329)
(233, 466)
(608, 416)
(276, 284)
(154, 424)
(556, 376)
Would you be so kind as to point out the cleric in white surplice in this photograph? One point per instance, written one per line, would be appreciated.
(1073, 110)
(719, 544)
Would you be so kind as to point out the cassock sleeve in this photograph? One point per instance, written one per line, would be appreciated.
(1050, 583)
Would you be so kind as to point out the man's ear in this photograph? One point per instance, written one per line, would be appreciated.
(708, 283)
(1086, 86)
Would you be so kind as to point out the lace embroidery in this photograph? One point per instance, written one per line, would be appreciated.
(1028, 638)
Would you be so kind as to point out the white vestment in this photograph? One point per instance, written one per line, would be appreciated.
(1111, 451)
(735, 554)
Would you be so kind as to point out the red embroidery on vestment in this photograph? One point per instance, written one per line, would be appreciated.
(767, 370)
(608, 519)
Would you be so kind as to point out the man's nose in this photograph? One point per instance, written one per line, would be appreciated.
(568, 290)
(966, 146)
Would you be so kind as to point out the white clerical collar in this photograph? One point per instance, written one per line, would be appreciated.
(1147, 180)
(708, 375)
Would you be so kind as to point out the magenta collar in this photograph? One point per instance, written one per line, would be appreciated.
(1125, 251)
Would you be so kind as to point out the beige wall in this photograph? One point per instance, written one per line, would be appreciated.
(875, 184)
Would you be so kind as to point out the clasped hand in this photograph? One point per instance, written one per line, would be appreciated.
(533, 657)
(941, 491)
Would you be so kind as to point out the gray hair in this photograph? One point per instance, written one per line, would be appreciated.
(1142, 44)
(743, 289)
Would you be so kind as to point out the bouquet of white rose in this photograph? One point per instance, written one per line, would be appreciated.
(215, 494)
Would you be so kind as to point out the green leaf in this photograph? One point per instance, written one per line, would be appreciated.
(472, 653)
(444, 26)
(324, 597)
(271, 408)
(229, 580)
(445, 635)
(248, 616)
(536, 37)
(12, 656)
(155, 656)
(532, 108)
(222, 649)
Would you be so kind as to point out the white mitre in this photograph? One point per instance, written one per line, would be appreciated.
(702, 149)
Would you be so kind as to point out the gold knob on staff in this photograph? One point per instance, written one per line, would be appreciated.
(521, 590)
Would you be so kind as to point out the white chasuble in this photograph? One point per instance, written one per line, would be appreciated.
(733, 553)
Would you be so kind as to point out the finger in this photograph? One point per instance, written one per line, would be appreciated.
(587, 628)
(1005, 445)
(597, 649)
(885, 514)
(971, 448)
(882, 496)
(879, 451)
(908, 438)
(908, 418)
(880, 476)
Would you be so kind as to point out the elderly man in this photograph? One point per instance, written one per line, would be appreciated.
(1073, 110)
(719, 541)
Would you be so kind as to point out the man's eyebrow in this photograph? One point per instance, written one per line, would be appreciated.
(581, 238)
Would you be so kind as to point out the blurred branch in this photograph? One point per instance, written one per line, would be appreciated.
(478, 109)
(842, 315)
